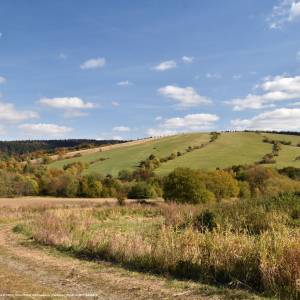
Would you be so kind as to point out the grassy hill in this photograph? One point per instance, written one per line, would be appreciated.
(229, 149)
(129, 157)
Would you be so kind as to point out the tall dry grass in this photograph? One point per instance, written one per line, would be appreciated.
(267, 260)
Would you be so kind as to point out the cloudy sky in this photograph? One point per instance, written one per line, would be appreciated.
(129, 69)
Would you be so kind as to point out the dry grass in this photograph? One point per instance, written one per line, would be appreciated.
(162, 239)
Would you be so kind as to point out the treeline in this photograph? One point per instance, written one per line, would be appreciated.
(15, 148)
(297, 133)
(183, 185)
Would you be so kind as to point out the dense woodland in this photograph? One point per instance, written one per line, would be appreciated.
(15, 148)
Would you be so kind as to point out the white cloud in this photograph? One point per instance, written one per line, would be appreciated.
(166, 65)
(191, 122)
(285, 11)
(213, 75)
(278, 119)
(188, 59)
(115, 103)
(124, 83)
(158, 118)
(160, 132)
(8, 113)
(1, 35)
(117, 138)
(186, 97)
(274, 90)
(67, 103)
(109, 136)
(45, 130)
(121, 129)
(294, 11)
(93, 63)
(2, 80)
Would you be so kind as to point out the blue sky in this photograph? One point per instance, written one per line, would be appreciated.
(128, 69)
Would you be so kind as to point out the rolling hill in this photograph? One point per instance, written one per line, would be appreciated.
(230, 148)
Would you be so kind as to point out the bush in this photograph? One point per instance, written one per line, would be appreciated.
(291, 172)
(142, 190)
(205, 221)
(257, 177)
(90, 186)
(185, 186)
(125, 175)
(245, 191)
(221, 183)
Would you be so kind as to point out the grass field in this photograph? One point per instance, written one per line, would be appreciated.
(32, 270)
(251, 246)
(283, 137)
(129, 157)
(229, 149)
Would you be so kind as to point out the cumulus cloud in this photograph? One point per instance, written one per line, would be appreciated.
(274, 90)
(66, 103)
(278, 119)
(185, 97)
(166, 65)
(191, 122)
(294, 11)
(8, 113)
(2, 80)
(121, 129)
(115, 103)
(285, 11)
(188, 59)
(43, 129)
(93, 63)
(160, 132)
(124, 83)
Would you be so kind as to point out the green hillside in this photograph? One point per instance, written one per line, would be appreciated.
(229, 149)
(129, 157)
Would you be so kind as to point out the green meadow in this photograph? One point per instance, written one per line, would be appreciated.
(232, 148)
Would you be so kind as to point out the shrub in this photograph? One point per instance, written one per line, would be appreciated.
(90, 186)
(205, 221)
(142, 190)
(257, 177)
(30, 187)
(221, 183)
(125, 175)
(75, 167)
(245, 191)
(185, 186)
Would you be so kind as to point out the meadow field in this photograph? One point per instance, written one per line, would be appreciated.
(47, 247)
(232, 148)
